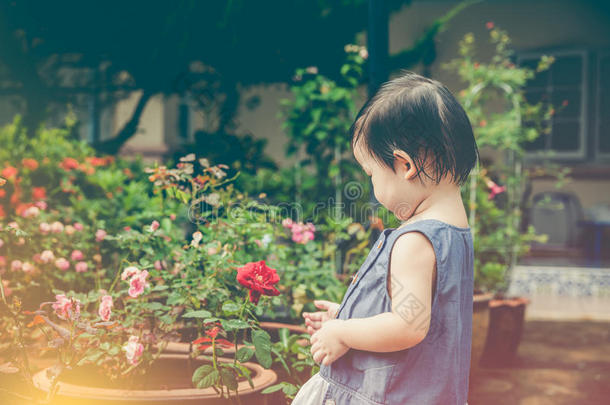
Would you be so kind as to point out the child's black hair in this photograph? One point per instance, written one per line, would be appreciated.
(421, 117)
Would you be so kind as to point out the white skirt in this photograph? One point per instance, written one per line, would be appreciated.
(312, 392)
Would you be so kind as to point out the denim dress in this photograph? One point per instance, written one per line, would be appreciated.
(435, 371)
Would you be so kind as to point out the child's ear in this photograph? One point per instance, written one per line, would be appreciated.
(404, 161)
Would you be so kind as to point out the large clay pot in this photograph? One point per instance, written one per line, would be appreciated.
(480, 326)
(271, 327)
(506, 319)
(167, 382)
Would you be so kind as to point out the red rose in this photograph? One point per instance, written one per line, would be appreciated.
(259, 278)
(489, 25)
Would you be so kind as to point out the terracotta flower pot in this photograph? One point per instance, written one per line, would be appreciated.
(184, 348)
(506, 319)
(480, 326)
(167, 382)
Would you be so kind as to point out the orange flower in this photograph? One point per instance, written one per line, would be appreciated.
(69, 164)
(30, 163)
(9, 172)
(39, 193)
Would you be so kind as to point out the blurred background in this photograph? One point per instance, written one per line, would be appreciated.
(233, 81)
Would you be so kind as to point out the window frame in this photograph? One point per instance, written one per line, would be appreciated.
(581, 153)
(598, 154)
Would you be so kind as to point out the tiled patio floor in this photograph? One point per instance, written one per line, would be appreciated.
(558, 363)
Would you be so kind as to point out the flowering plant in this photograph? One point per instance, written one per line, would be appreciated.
(494, 196)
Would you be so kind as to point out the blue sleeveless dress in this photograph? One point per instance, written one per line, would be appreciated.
(435, 371)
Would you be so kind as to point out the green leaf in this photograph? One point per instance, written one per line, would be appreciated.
(208, 380)
(230, 307)
(228, 378)
(202, 372)
(262, 346)
(272, 389)
(244, 354)
(284, 333)
(233, 324)
(202, 313)
(289, 389)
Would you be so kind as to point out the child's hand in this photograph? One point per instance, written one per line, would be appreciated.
(327, 344)
(314, 320)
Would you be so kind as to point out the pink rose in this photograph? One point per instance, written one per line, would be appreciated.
(158, 265)
(62, 264)
(297, 237)
(100, 235)
(287, 223)
(78, 226)
(129, 272)
(31, 212)
(57, 227)
(16, 265)
(41, 205)
(2, 261)
(172, 216)
(77, 255)
(137, 284)
(133, 349)
(307, 235)
(28, 267)
(69, 229)
(154, 226)
(105, 309)
(47, 256)
(44, 228)
(13, 225)
(81, 267)
(66, 308)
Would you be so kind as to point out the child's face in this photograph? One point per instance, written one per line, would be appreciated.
(393, 189)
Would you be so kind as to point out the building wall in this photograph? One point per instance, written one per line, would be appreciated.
(532, 25)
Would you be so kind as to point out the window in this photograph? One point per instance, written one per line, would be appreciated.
(564, 86)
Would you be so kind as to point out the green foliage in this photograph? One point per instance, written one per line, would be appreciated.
(317, 121)
(503, 122)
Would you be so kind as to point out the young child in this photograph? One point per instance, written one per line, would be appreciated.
(402, 333)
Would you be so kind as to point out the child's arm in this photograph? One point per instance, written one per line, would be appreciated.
(412, 269)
